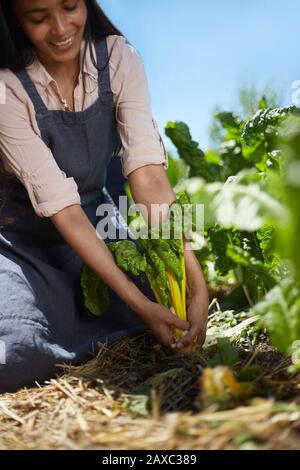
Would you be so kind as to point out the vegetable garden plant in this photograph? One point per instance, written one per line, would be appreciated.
(153, 257)
(250, 187)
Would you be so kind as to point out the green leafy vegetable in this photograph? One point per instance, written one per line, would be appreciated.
(189, 150)
(280, 314)
(160, 260)
(263, 119)
(127, 257)
(229, 354)
(95, 292)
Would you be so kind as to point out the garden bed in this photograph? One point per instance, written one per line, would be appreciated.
(137, 395)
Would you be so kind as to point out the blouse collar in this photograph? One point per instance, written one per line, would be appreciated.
(43, 78)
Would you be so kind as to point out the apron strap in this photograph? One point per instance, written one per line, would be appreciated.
(105, 92)
(39, 105)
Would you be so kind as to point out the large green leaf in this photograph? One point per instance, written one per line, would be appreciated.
(243, 258)
(235, 205)
(219, 238)
(95, 292)
(189, 151)
(127, 257)
(280, 314)
(177, 170)
(264, 119)
(289, 239)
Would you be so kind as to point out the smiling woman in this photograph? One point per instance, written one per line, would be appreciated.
(68, 111)
(55, 32)
(30, 27)
(28, 31)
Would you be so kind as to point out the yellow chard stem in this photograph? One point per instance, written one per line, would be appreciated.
(183, 282)
(178, 295)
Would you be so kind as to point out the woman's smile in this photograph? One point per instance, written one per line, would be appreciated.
(65, 45)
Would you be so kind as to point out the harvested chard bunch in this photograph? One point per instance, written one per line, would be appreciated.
(166, 270)
(159, 259)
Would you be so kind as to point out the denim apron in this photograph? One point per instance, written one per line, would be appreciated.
(43, 320)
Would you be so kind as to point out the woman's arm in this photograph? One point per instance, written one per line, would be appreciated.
(80, 234)
(149, 185)
(25, 155)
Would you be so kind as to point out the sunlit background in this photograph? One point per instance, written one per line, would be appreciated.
(199, 53)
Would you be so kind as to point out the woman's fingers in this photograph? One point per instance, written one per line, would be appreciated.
(175, 321)
(201, 337)
(181, 324)
(188, 338)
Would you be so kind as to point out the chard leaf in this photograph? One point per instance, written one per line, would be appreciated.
(262, 120)
(156, 271)
(177, 170)
(127, 257)
(169, 258)
(280, 314)
(189, 151)
(289, 232)
(235, 205)
(229, 354)
(219, 238)
(95, 292)
(243, 258)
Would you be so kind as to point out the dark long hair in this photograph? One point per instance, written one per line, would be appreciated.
(17, 51)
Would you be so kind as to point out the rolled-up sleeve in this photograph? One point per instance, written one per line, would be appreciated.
(25, 155)
(138, 130)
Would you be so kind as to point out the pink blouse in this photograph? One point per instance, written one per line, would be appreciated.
(24, 153)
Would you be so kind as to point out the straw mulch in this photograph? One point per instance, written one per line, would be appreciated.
(137, 395)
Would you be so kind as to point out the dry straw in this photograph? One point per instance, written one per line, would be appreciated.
(136, 395)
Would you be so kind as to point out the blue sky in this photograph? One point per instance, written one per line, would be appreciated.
(197, 53)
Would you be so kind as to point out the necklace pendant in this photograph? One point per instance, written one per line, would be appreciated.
(65, 104)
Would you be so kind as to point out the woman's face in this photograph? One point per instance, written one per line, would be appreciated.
(55, 27)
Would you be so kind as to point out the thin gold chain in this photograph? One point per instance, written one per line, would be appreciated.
(63, 100)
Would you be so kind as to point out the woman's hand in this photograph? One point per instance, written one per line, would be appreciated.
(197, 310)
(197, 301)
(162, 322)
